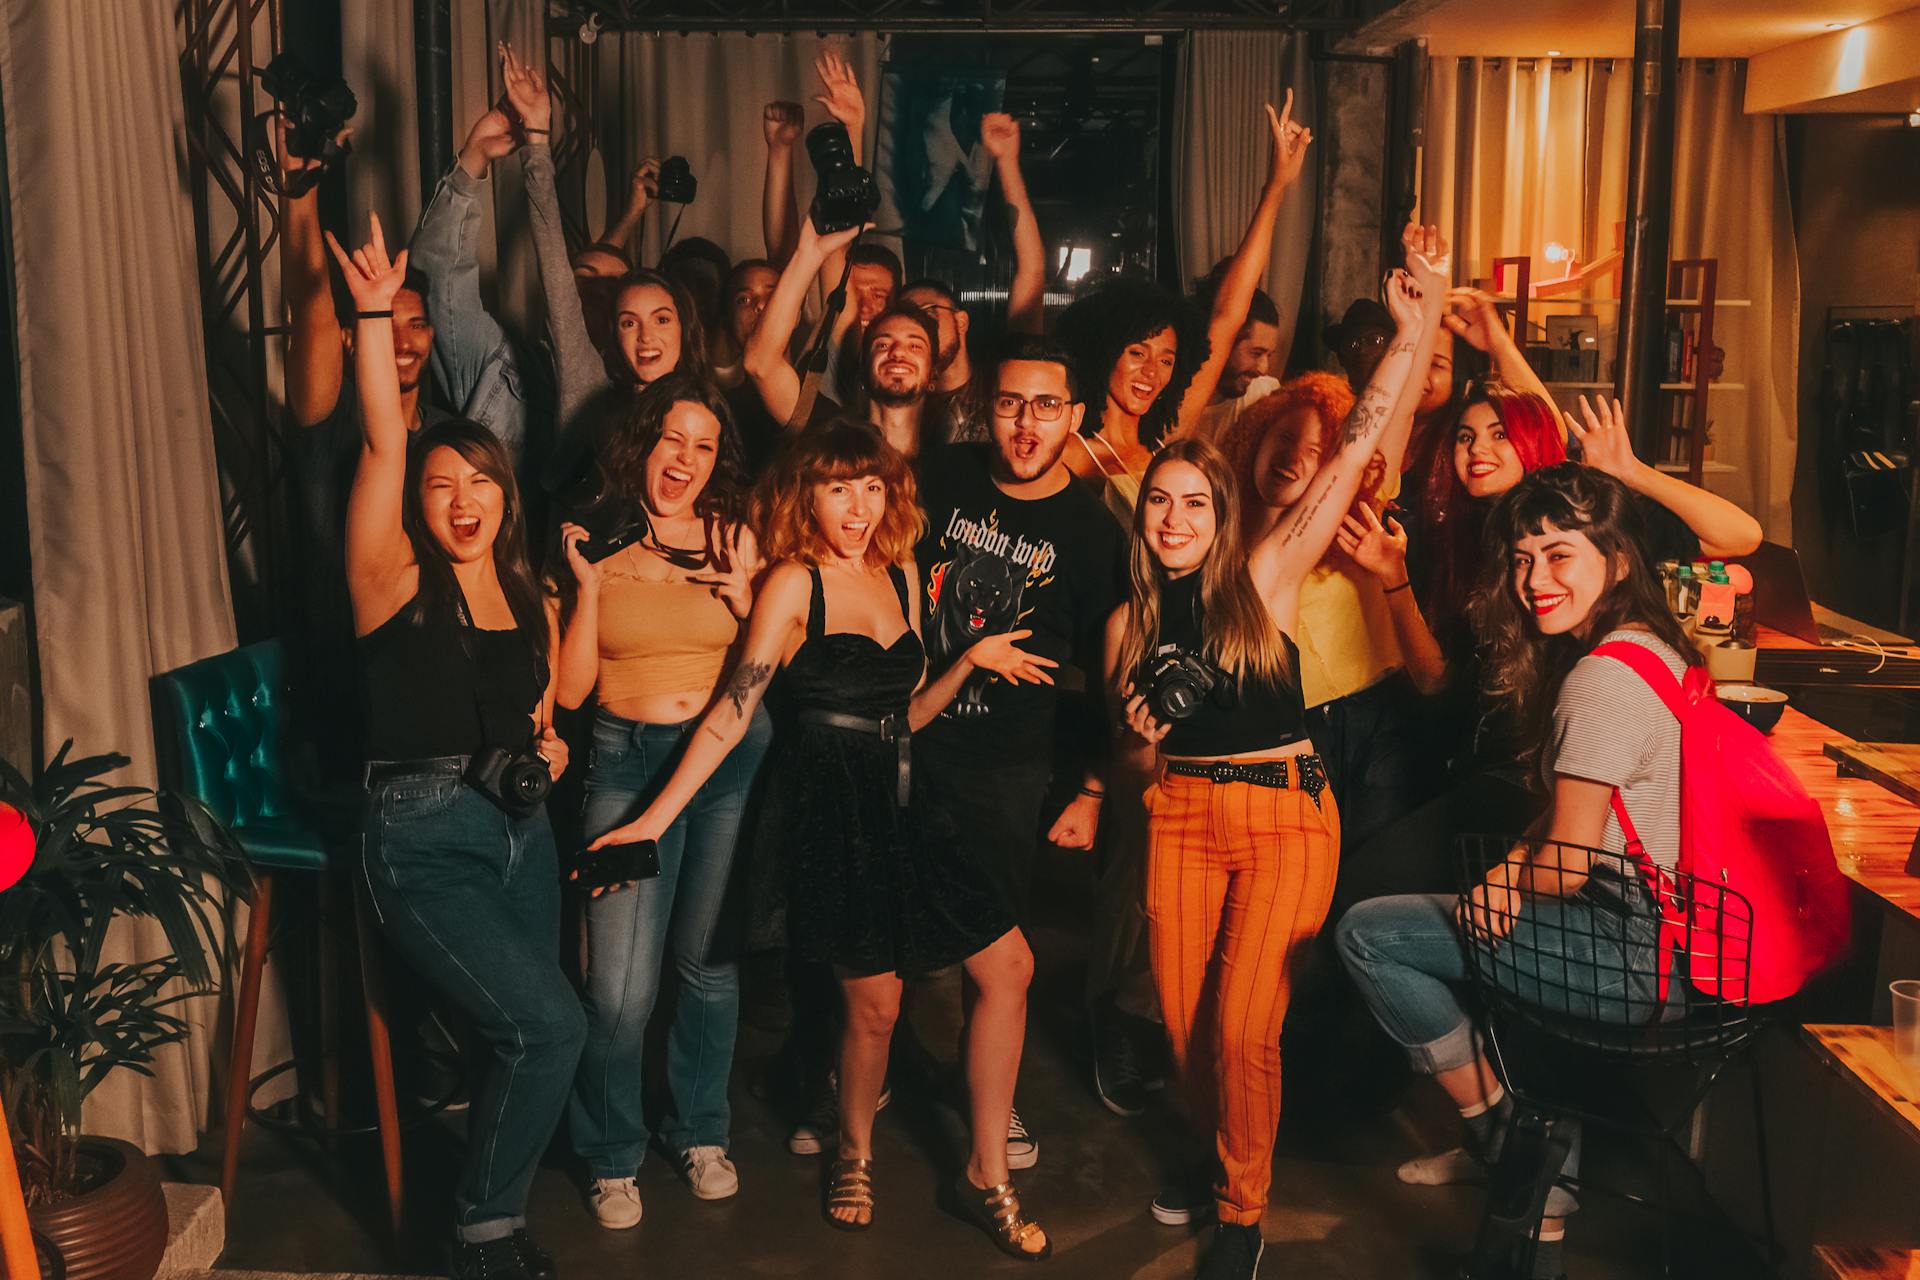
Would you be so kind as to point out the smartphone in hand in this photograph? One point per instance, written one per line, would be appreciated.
(618, 864)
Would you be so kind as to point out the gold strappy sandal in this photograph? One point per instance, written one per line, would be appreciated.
(996, 1211)
(850, 1186)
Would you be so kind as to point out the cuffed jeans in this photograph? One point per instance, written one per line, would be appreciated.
(1407, 957)
(471, 899)
(629, 932)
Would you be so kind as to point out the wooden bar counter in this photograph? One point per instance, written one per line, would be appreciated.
(1873, 830)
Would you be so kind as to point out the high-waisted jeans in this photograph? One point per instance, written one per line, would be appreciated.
(471, 899)
(629, 932)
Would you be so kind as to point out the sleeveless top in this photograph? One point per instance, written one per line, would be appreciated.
(1121, 490)
(1239, 716)
(661, 638)
(436, 686)
(853, 673)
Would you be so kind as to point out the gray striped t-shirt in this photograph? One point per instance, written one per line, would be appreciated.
(1610, 727)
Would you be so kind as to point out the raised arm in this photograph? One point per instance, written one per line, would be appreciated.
(1474, 317)
(766, 360)
(1026, 295)
(378, 551)
(640, 189)
(778, 613)
(840, 95)
(1399, 435)
(1248, 267)
(1723, 528)
(1295, 544)
(779, 206)
(316, 357)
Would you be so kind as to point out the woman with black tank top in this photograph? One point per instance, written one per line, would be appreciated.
(461, 867)
(875, 887)
(1243, 839)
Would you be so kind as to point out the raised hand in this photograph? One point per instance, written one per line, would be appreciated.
(812, 242)
(291, 164)
(1290, 141)
(1604, 442)
(585, 572)
(780, 122)
(1428, 260)
(527, 93)
(643, 185)
(372, 277)
(1000, 134)
(1404, 301)
(842, 99)
(490, 138)
(1380, 549)
(1002, 656)
(1474, 318)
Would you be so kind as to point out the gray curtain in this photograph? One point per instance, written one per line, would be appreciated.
(1221, 148)
(123, 503)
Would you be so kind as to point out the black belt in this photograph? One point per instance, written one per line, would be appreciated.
(379, 771)
(888, 729)
(1260, 773)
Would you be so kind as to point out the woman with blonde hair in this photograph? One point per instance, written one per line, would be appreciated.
(874, 887)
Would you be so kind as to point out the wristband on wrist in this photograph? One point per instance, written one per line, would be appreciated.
(374, 315)
(527, 128)
(1402, 587)
(1096, 793)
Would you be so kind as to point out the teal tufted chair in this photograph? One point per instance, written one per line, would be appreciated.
(226, 739)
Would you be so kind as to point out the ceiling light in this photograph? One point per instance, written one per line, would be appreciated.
(1553, 53)
(1913, 119)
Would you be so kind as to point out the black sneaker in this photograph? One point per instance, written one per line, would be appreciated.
(1234, 1253)
(1184, 1201)
(487, 1260)
(1121, 1074)
(537, 1261)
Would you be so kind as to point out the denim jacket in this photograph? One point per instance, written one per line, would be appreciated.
(479, 367)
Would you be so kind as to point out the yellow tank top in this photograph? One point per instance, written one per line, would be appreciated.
(661, 638)
(1121, 490)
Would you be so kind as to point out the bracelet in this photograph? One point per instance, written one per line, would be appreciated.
(1090, 791)
(1402, 587)
(527, 128)
(374, 315)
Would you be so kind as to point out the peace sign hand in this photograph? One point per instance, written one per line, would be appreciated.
(372, 278)
(1290, 141)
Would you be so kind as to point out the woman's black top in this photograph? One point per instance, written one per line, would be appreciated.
(437, 688)
(1239, 715)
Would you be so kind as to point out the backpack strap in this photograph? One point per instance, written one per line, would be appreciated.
(1649, 666)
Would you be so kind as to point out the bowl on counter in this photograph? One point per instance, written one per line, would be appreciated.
(1758, 705)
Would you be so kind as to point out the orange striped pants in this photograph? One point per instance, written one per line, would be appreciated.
(1239, 878)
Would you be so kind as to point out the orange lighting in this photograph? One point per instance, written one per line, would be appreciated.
(1556, 252)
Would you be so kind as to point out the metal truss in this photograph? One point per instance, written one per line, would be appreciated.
(236, 226)
(567, 16)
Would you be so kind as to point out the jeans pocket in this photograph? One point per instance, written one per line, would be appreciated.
(412, 799)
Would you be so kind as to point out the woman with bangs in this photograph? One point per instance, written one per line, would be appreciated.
(1243, 842)
(647, 631)
(874, 888)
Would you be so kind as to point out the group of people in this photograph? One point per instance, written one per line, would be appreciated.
(860, 632)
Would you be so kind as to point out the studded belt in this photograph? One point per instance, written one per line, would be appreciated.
(1279, 774)
(887, 728)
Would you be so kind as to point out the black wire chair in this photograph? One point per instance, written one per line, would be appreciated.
(1597, 979)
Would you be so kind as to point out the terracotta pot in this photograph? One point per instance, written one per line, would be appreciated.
(118, 1229)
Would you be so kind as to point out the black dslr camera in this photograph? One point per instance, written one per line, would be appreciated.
(1176, 681)
(675, 184)
(315, 111)
(517, 781)
(844, 195)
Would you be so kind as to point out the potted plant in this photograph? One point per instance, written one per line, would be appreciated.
(70, 1016)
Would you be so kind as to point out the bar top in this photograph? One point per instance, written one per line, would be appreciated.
(1872, 829)
(1864, 1056)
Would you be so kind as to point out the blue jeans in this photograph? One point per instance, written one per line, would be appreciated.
(629, 932)
(471, 899)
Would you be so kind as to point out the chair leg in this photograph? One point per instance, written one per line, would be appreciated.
(1766, 1168)
(373, 986)
(240, 1064)
(329, 1010)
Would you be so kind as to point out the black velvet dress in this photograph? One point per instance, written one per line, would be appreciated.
(870, 887)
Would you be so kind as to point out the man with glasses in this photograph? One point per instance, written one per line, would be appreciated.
(1013, 544)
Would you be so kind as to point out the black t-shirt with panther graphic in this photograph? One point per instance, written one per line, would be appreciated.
(989, 564)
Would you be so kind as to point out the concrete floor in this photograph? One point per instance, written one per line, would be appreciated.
(1337, 1210)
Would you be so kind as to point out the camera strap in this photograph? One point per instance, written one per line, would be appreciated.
(836, 301)
(673, 231)
(465, 624)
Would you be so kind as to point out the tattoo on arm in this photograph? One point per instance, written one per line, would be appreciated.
(746, 678)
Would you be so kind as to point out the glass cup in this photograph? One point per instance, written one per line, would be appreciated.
(1906, 1022)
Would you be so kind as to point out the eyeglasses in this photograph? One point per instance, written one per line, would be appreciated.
(1045, 408)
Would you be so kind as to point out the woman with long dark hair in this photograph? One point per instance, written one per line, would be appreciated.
(460, 861)
(874, 888)
(647, 631)
(1562, 573)
(1243, 840)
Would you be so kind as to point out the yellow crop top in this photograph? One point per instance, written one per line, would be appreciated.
(661, 638)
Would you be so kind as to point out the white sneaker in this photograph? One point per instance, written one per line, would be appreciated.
(1023, 1149)
(821, 1128)
(709, 1172)
(1448, 1169)
(616, 1202)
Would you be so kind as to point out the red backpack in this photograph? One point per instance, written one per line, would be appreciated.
(1746, 824)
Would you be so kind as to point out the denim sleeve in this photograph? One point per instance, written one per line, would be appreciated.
(583, 376)
(465, 336)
